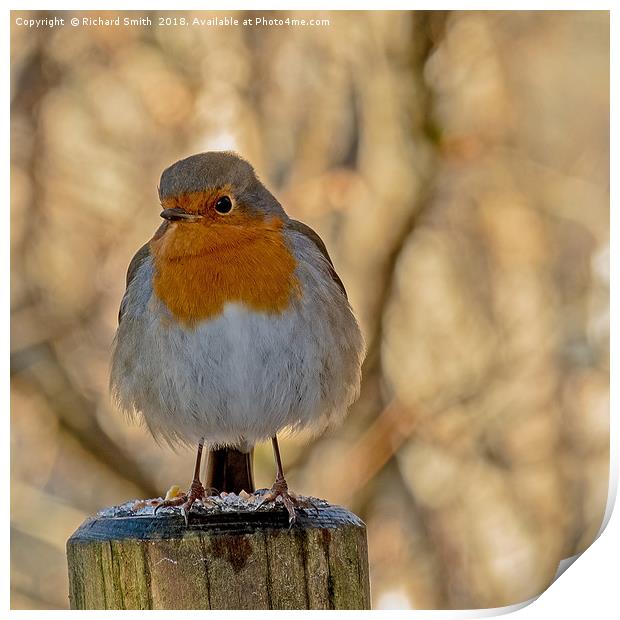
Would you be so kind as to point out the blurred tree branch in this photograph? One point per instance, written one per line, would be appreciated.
(40, 367)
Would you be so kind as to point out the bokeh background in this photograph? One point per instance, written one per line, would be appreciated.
(457, 166)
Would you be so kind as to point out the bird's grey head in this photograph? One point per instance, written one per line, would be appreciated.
(209, 171)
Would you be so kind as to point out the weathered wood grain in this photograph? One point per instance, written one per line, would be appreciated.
(239, 560)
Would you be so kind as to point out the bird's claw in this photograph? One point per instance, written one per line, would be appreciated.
(289, 499)
(186, 500)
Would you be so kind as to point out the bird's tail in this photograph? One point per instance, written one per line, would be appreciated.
(230, 470)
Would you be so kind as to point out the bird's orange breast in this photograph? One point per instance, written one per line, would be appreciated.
(201, 267)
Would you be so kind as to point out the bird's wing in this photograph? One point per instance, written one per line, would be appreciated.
(304, 229)
(134, 265)
(139, 257)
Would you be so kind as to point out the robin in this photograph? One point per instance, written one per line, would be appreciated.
(234, 326)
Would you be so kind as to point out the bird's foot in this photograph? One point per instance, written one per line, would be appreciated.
(186, 500)
(289, 499)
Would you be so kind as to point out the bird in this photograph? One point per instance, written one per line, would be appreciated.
(233, 329)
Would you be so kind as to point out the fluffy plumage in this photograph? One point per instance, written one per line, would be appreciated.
(237, 327)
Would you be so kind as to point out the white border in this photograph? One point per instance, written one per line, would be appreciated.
(589, 586)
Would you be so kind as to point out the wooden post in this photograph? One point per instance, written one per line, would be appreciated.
(241, 559)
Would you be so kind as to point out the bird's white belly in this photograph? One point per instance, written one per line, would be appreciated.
(239, 378)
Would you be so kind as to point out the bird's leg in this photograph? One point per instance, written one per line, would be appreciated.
(196, 490)
(280, 488)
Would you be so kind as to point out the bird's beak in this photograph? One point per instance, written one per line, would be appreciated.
(179, 215)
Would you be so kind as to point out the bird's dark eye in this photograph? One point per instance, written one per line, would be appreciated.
(223, 205)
